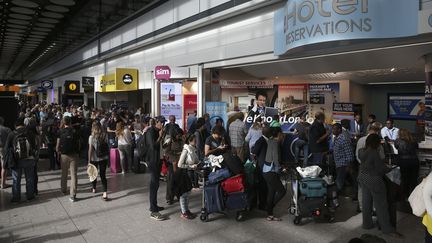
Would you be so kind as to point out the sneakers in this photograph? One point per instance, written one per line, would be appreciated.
(187, 215)
(73, 199)
(157, 216)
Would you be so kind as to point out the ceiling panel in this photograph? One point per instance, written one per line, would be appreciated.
(31, 27)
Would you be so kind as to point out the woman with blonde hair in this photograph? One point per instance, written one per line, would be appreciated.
(98, 154)
(407, 160)
(124, 141)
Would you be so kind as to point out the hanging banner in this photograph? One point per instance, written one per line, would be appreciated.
(72, 87)
(343, 111)
(217, 110)
(292, 102)
(190, 106)
(172, 101)
(126, 79)
(404, 106)
(88, 84)
(322, 97)
(305, 22)
(47, 84)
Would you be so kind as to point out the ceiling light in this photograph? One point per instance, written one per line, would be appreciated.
(403, 82)
(392, 69)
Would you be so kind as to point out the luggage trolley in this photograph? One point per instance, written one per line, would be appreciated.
(219, 199)
(311, 197)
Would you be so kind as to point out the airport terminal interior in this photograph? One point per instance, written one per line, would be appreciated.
(216, 121)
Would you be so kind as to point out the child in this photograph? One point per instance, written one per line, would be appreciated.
(183, 184)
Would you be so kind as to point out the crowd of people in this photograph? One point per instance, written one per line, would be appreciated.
(355, 152)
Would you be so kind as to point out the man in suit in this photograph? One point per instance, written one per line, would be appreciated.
(357, 127)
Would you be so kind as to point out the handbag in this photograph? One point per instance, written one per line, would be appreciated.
(416, 200)
(395, 175)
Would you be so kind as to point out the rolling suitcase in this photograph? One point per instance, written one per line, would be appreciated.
(236, 201)
(213, 198)
(115, 166)
(234, 184)
(218, 176)
(313, 187)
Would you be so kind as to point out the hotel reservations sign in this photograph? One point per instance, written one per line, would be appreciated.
(305, 22)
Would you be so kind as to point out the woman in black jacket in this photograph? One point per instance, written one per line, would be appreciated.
(371, 178)
(408, 161)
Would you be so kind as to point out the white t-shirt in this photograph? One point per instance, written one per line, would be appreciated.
(94, 157)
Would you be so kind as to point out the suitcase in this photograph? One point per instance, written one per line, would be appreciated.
(313, 187)
(213, 198)
(236, 201)
(218, 176)
(115, 166)
(234, 184)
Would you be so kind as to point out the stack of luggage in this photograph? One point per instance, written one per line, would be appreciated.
(312, 197)
(225, 189)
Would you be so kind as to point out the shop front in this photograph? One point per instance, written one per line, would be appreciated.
(121, 88)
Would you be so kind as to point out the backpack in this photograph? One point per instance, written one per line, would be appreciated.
(68, 144)
(102, 148)
(141, 146)
(21, 147)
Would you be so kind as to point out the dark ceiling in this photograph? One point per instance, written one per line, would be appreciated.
(36, 33)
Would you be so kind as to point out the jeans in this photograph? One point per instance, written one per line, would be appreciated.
(184, 202)
(28, 167)
(69, 162)
(276, 191)
(101, 165)
(125, 156)
(341, 173)
(301, 144)
(154, 186)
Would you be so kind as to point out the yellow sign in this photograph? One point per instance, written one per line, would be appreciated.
(108, 83)
(124, 79)
(72, 87)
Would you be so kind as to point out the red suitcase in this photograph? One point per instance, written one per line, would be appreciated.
(234, 184)
(115, 161)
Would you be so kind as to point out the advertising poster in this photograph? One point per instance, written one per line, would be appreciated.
(322, 97)
(172, 101)
(189, 106)
(404, 106)
(292, 102)
(217, 110)
(343, 111)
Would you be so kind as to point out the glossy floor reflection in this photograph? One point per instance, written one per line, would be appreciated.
(53, 218)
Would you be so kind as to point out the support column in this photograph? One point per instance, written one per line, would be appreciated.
(201, 91)
(154, 97)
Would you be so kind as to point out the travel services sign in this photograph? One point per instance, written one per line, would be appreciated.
(304, 22)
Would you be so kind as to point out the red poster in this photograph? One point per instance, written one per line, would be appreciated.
(189, 107)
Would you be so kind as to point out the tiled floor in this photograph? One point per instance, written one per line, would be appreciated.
(53, 218)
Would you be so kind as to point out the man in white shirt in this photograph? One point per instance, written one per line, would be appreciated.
(374, 128)
(389, 131)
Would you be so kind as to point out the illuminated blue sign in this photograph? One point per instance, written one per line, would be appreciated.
(304, 22)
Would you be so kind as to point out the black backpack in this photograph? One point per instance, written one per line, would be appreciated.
(102, 148)
(68, 144)
(141, 146)
(22, 147)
